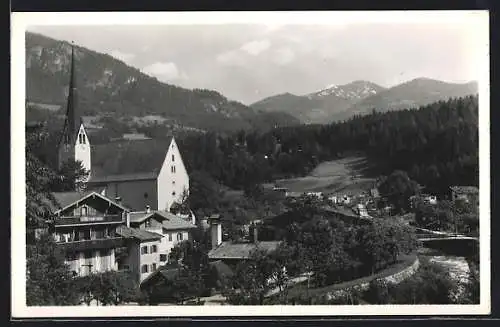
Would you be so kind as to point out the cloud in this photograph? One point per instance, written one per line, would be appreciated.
(123, 56)
(164, 71)
(230, 58)
(256, 47)
(283, 56)
(239, 56)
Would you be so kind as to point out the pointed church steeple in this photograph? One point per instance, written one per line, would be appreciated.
(74, 143)
(73, 119)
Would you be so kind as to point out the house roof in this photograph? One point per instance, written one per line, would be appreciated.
(67, 199)
(128, 157)
(138, 234)
(229, 250)
(465, 189)
(175, 222)
(170, 271)
(169, 220)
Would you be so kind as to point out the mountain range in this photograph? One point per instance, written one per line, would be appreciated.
(340, 102)
(107, 85)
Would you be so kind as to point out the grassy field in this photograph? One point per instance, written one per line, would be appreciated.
(337, 176)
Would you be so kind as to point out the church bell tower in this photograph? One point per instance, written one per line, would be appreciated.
(74, 143)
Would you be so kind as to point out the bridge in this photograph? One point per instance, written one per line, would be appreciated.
(430, 235)
(450, 243)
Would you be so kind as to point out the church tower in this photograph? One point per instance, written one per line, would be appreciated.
(74, 144)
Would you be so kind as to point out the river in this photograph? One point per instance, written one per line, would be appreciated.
(457, 266)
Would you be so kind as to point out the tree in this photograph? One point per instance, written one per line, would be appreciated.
(205, 193)
(254, 278)
(49, 280)
(398, 188)
(109, 288)
(71, 176)
(430, 285)
(39, 177)
(194, 267)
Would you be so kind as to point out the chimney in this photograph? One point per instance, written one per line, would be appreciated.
(148, 209)
(215, 232)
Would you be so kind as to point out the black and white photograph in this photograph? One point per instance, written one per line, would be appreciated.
(272, 163)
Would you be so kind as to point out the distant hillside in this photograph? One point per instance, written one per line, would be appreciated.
(320, 106)
(107, 85)
(340, 102)
(353, 91)
(412, 94)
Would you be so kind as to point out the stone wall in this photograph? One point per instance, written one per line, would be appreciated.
(364, 284)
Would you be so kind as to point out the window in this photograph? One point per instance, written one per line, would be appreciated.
(72, 256)
(170, 237)
(83, 211)
(148, 223)
(99, 234)
(173, 182)
(163, 257)
(173, 158)
(83, 138)
(144, 250)
(179, 236)
(172, 169)
(105, 253)
(87, 254)
(80, 139)
(85, 235)
(154, 249)
(144, 269)
(173, 193)
(153, 267)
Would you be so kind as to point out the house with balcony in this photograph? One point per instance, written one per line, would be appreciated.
(84, 226)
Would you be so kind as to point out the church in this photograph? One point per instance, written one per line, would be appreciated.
(136, 173)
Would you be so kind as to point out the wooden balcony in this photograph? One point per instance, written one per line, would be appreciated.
(87, 220)
(105, 243)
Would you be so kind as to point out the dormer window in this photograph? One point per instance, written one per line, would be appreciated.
(148, 223)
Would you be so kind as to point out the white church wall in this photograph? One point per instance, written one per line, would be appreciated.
(172, 179)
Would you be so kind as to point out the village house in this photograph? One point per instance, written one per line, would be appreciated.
(172, 229)
(231, 253)
(84, 226)
(142, 256)
(141, 172)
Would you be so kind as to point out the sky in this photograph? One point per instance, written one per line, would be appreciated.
(248, 62)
